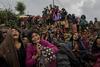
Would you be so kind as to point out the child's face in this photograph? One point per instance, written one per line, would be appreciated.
(35, 38)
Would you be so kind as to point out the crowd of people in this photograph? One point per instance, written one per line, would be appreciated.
(57, 39)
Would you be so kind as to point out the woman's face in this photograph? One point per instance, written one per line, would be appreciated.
(15, 33)
(4, 32)
(25, 40)
(75, 36)
(35, 38)
(98, 42)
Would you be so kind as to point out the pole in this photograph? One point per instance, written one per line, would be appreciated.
(53, 3)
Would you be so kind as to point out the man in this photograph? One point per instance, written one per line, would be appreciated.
(97, 25)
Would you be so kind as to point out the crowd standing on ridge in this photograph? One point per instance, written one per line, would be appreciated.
(57, 39)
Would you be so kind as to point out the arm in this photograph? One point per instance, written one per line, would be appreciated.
(30, 61)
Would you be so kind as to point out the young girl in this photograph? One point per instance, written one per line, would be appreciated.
(40, 53)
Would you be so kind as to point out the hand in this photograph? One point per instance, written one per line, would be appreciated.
(46, 61)
(38, 50)
(34, 56)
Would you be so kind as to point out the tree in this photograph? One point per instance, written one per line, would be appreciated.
(20, 7)
(8, 18)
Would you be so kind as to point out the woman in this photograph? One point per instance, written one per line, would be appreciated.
(34, 53)
(75, 39)
(96, 51)
(3, 62)
(18, 46)
(12, 49)
(77, 47)
(25, 40)
(83, 23)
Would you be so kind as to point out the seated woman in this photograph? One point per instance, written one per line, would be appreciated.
(40, 52)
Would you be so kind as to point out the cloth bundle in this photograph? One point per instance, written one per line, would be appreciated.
(47, 53)
(46, 56)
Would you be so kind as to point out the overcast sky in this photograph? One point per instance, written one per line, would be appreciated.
(91, 8)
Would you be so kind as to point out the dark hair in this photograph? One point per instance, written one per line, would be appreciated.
(30, 34)
(95, 48)
(83, 17)
(1, 37)
(95, 42)
(71, 39)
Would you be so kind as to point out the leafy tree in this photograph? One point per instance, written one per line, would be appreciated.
(20, 7)
(6, 16)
